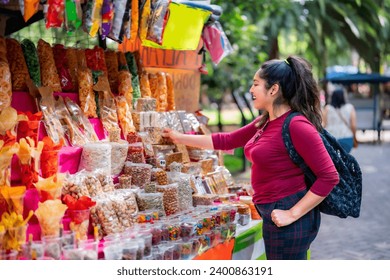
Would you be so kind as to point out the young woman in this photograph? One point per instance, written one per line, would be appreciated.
(339, 118)
(291, 219)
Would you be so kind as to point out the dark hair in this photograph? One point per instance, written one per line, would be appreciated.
(338, 98)
(298, 87)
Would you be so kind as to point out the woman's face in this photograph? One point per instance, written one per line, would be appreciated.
(260, 94)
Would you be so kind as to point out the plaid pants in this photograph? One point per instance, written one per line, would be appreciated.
(290, 242)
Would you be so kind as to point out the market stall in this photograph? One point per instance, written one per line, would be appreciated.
(85, 173)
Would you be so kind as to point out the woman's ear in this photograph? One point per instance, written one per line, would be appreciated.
(275, 89)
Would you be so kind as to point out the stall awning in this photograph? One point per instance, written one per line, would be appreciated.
(342, 78)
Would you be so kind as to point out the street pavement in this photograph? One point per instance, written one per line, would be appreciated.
(366, 237)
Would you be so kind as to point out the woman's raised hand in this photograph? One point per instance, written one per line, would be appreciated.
(171, 134)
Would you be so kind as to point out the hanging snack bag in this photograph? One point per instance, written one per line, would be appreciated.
(162, 92)
(119, 11)
(61, 62)
(55, 13)
(122, 62)
(49, 74)
(171, 104)
(125, 87)
(21, 5)
(136, 88)
(132, 64)
(134, 20)
(3, 49)
(96, 59)
(144, 85)
(125, 30)
(216, 42)
(86, 94)
(31, 57)
(5, 77)
(87, 16)
(107, 17)
(157, 21)
(5, 86)
(73, 15)
(108, 113)
(95, 18)
(144, 19)
(112, 69)
(71, 55)
(17, 65)
(124, 116)
(153, 83)
(30, 8)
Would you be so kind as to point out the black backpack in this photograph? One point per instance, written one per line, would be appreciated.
(345, 198)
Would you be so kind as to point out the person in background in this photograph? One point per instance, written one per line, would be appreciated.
(291, 218)
(339, 118)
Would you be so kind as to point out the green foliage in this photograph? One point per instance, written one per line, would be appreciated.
(325, 32)
(78, 39)
(234, 163)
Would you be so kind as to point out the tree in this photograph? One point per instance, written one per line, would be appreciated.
(330, 30)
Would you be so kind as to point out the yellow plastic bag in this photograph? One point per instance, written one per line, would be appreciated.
(183, 28)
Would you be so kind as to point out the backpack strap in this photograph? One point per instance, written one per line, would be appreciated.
(292, 152)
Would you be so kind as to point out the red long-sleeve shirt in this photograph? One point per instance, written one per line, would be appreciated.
(274, 174)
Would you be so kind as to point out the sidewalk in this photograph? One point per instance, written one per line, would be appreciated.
(366, 237)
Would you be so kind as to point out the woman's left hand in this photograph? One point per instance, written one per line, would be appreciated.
(282, 218)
